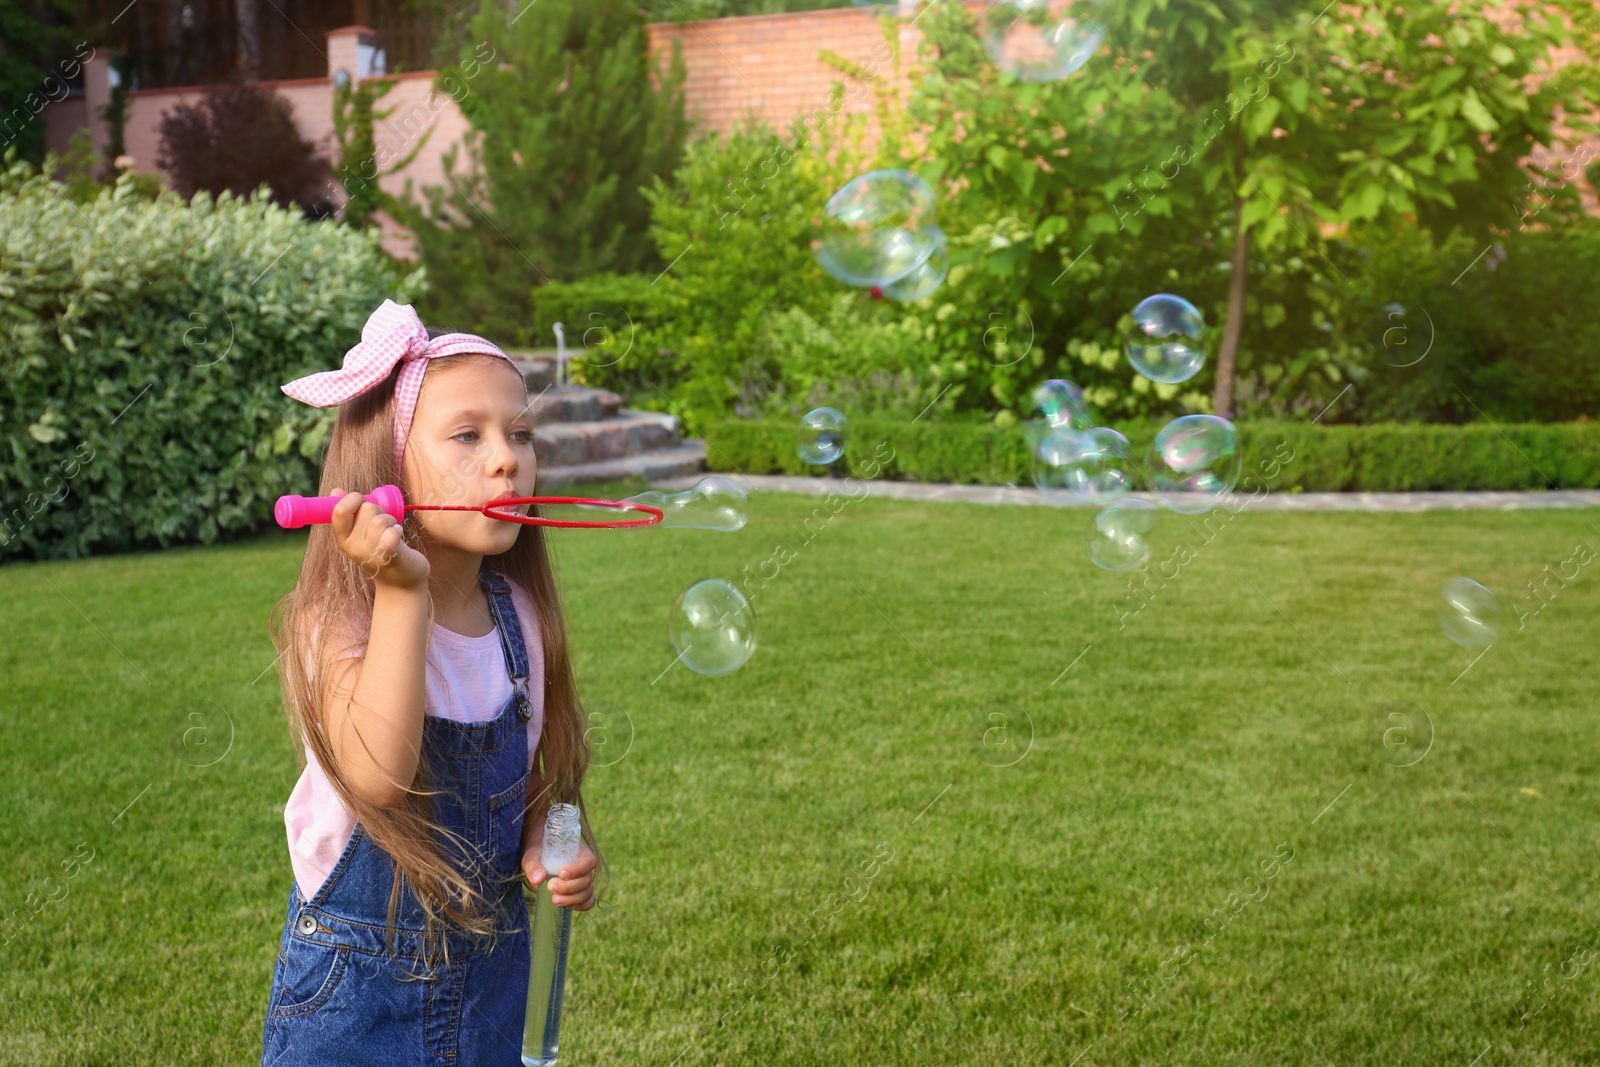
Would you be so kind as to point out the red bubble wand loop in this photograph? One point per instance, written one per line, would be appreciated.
(293, 512)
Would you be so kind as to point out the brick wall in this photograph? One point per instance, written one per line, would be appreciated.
(770, 65)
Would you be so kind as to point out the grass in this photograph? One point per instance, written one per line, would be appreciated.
(1429, 912)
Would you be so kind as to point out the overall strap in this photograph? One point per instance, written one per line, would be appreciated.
(511, 643)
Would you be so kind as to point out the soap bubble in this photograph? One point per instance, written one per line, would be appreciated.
(712, 628)
(1165, 343)
(1116, 536)
(1061, 403)
(1082, 466)
(819, 439)
(1471, 615)
(1038, 40)
(714, 503)
(927, 276)
(1193, 462)
(873, 229)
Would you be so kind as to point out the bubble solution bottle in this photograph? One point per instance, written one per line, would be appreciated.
(550, 930)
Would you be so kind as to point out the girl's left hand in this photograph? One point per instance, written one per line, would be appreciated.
(572, 886)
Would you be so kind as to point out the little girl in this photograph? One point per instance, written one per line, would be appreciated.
(425, 671)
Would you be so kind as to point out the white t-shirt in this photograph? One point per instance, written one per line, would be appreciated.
(466, 680)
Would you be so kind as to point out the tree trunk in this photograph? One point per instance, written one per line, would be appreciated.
(1233, 326)
(249, 39)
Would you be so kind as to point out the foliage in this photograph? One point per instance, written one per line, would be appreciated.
(1052, 242)
(235, 138)
(37, 59)
(83, 177)
(1266, 117)
(569, 120)
(1456, 331)
(1383, 457)
(354, 112)
(145, 341)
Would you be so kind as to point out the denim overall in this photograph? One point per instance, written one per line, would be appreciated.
(338, 994)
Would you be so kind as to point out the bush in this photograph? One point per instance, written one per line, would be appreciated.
(235, 138)
(1386, 457)
(740, 212)
(617, 321)
(1511, 337)
(145, 342)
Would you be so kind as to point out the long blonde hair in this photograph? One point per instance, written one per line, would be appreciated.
(332, 593)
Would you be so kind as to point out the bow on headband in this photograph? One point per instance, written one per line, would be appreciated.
(393, 334)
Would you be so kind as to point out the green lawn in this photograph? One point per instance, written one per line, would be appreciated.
(1429, 912)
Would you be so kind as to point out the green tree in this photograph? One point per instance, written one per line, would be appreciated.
(570, 118)
(1223, 140)
(37, 58)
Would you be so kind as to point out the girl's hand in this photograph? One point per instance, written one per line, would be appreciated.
(573, 885)
(371, 536)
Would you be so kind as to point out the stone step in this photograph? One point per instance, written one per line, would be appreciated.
(572, 403)
(539, 365)
(627, 433)
(686, 459)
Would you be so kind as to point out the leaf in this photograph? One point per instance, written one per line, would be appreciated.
(1100, 224)
(1255, 210)
(1446, 78)
(1396, 142)
(1262, 116)
(1372, 199)
(1438, 136)
(1051, 227)
(1473, 111)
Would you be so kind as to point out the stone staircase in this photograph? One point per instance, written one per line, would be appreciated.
(585, 435)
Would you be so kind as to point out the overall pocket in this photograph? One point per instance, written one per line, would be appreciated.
(309, 973)
(505, 826)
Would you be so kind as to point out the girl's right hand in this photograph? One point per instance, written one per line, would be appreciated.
(371, 536)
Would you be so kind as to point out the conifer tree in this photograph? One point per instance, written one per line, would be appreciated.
(570, 117)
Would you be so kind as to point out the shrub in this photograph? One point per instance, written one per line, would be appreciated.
(145, 342)
(1511, 335)
(235, 138)
(740, 212)
(1385, 457)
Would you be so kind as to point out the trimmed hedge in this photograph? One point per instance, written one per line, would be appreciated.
(143, 346)
(1385, 457)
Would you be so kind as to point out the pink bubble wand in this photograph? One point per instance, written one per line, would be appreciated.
(293, 512)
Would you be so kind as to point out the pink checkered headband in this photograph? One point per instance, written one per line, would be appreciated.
(393, 334)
